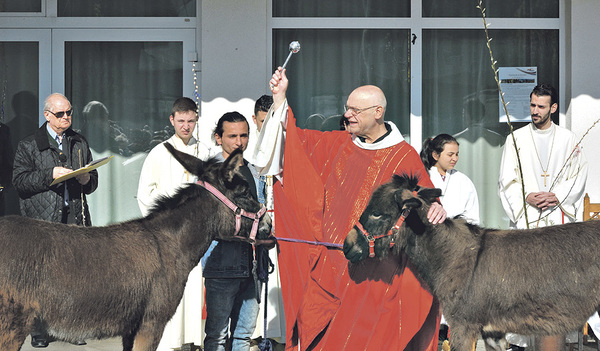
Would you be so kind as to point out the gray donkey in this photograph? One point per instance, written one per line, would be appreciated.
(543, 281)
(124, 279)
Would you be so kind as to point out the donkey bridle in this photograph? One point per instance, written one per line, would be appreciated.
(371, 238)
(239, 212)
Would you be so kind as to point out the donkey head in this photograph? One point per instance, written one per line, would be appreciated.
(226, 179)
(383, 215)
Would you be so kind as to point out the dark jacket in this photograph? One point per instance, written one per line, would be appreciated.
(35, 159)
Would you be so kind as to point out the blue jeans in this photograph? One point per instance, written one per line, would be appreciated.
(235, 299)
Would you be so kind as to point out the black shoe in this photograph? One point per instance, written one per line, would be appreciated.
(39, 341)
(515, 348)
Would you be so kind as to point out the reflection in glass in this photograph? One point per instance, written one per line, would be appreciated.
(460, 97)
(122, 93)
(493, 8)
(18, 108)
(332, 63)
(341, 8)
(21, 6)
(126, 8)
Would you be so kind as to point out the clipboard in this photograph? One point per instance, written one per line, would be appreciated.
(91, 166)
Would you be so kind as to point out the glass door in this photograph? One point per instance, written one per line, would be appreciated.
(122, 84)
(24, 82)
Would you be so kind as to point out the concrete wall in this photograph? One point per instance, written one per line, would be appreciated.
(234, 39)
(584, 107)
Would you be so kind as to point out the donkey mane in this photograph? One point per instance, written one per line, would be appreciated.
(410, 181)
(183, 195)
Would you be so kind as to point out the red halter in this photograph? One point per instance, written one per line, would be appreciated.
(239, 212)
(390, 232)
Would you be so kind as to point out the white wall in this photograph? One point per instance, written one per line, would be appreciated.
(233, 59)
(584, 107)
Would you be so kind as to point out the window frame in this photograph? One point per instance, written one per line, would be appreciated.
(416, 24)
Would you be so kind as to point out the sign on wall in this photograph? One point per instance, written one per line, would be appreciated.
(517, 83)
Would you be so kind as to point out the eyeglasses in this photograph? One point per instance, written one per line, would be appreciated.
(356, 111)
(62, 113)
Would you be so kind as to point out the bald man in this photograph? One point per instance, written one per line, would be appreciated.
(326, 183)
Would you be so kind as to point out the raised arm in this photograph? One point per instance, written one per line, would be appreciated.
(268, 153)
(279, 85)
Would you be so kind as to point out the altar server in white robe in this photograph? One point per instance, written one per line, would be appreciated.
(162, 175)
(554, 177)
(459, 197)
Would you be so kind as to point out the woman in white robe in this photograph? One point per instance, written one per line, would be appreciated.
(459, 197)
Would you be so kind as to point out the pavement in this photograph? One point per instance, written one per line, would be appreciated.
(112, 344)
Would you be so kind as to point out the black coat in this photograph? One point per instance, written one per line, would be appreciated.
(35, 159)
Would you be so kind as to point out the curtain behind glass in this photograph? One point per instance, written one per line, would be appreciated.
(460, 97)
(122, 94)
(345, 8)
(19, 112)
(126, 8)
(498, 8)
(332, 63)
(21, 6)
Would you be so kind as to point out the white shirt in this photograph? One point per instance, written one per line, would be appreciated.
(162, 174)
(459, 196)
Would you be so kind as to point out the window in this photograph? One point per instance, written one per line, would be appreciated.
(348, 8)
(432, 63)
(15, 6)
(338, 62)
(126, 8)
(498, 9)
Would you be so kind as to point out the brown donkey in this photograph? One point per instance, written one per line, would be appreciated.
(543, 281)
(119, 280)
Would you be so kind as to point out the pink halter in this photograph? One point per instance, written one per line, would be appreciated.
(239, 212)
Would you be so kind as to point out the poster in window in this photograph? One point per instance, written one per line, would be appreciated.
(516, 83)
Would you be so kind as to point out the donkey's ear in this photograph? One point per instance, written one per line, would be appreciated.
(403, 203)
(429, 195)
(192, 164)
(232, 164)
(411, 204)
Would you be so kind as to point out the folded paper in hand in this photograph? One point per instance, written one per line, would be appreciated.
(91, 166)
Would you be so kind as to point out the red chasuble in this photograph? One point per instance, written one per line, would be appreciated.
(331, 304)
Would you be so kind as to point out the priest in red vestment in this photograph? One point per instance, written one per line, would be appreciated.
(326, 183)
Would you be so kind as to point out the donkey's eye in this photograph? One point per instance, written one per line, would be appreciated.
(375, 215)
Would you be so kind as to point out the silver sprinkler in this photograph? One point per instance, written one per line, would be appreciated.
(294, 48)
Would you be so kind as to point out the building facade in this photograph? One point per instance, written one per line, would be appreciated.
(123, 64)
